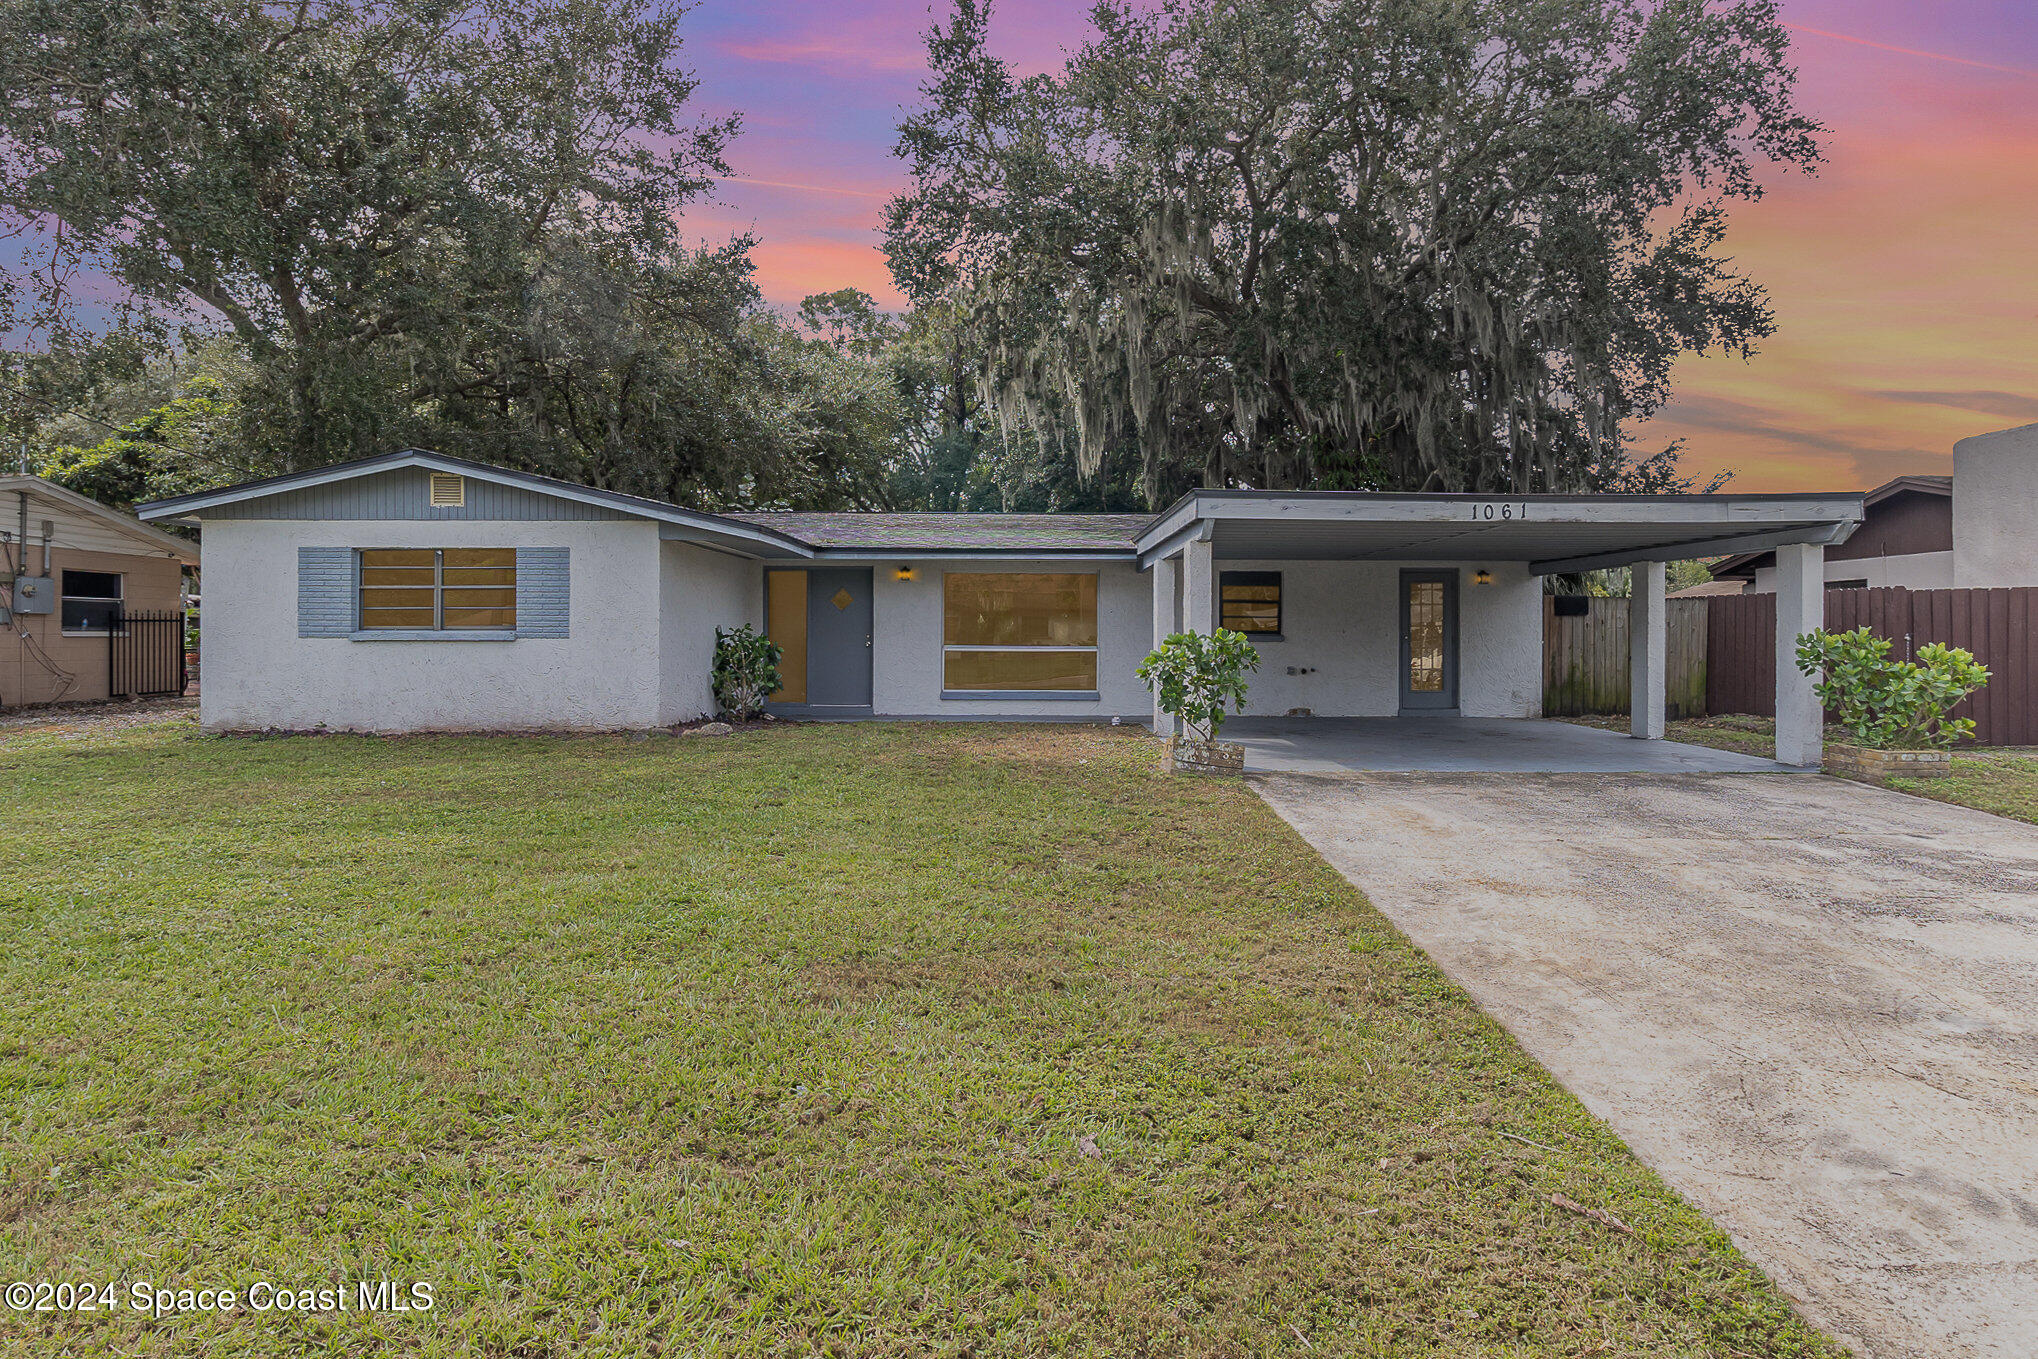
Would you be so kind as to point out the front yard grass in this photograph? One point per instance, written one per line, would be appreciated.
(855, 1040)
(1991, 779)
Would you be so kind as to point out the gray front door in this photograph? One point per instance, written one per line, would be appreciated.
(1429, 641)
(838, 639)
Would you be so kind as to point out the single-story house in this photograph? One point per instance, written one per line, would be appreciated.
(414, 591)
(1971, 530)
(70, 566)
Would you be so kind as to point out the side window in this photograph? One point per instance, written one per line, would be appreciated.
(1250, 602)
(90, 600)
(438, 589)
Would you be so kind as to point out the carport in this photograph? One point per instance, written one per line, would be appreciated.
(1386, 605)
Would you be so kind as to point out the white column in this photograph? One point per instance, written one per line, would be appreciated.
(1800, 607)
(1648, 651)
(1165, 574)
(1199, 592)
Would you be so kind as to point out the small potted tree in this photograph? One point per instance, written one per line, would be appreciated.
(746, 671)
(1193, 677)
(1895, 710)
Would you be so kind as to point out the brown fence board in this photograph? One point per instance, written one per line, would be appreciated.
(1996, 625)
(1585, 659)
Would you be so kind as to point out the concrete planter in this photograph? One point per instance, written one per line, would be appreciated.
(1189, 756)
(1861, 762)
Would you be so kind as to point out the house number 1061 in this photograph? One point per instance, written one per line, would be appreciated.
(1499, 509)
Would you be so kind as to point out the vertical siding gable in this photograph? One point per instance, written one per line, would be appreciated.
(542, 591)
(325, 591)
(405, 493)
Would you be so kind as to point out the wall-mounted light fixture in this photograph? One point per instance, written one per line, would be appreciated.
(1482, 577)
(903, 573)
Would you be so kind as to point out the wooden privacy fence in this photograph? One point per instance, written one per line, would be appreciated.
(1996, 625)
(1585, 658)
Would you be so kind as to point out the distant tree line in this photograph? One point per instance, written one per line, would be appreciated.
(1378, 244)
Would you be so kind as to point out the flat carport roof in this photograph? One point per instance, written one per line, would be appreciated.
(1551, 533)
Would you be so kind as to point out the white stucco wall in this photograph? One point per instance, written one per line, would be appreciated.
(258, 673)
(1911, 570)
(1341, 621)
(906, 643)
(1995, 509)
(699, 590)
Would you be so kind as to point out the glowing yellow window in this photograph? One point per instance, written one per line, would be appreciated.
(1019, 632)
(438, 588)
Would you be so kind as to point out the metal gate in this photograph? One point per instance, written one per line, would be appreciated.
(145, 655)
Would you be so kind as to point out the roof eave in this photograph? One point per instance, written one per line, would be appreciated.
(132, 526)
(178, 508)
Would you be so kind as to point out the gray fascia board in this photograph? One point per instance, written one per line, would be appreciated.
(1196, 531)
(1824, 535)
(713, 539)
(1166, 525)
(1400, 508)
(934, 554)
(1669, 511)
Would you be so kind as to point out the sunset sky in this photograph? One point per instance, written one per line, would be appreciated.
(1904, 276)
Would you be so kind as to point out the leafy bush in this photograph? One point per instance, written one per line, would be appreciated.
(746, 670)
(1195, 676)
(1886, 704)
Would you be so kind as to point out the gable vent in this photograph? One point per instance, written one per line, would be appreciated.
(448, 490)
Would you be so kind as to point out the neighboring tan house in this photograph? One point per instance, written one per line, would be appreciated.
(68, 566)
(1972, 530)
(414, 591)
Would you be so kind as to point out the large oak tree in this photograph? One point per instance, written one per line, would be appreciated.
(449, 222)
(1407, 244)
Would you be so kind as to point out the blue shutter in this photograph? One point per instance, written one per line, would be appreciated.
(541, 592)
(325, 591)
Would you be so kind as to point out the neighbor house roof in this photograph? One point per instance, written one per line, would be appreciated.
(888, 532)
(1709, 588)
(45, 496)
(1741, 567)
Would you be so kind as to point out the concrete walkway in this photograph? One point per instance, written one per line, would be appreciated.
(1812, 1006)
(1337, 745)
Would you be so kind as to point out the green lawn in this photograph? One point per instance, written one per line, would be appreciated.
(857, 1040)
(2003, 781)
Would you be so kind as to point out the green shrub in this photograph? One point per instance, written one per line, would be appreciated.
(746, 670)
(1886, 704)
(1194, 676)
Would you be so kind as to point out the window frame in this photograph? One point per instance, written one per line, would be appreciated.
(64, 596)
(1094, 649)
(1242, 578)
(438, 627)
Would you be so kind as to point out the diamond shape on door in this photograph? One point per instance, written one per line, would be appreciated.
(842, 599)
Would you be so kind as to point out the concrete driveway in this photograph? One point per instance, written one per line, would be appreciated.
(1510, 745)
(1812, 1006)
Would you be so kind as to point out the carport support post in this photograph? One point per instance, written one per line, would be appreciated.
(1166, 571)
(1199, 587)
(1800, 607)
(1648, 651)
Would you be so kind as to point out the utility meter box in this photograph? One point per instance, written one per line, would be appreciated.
(35, 594)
